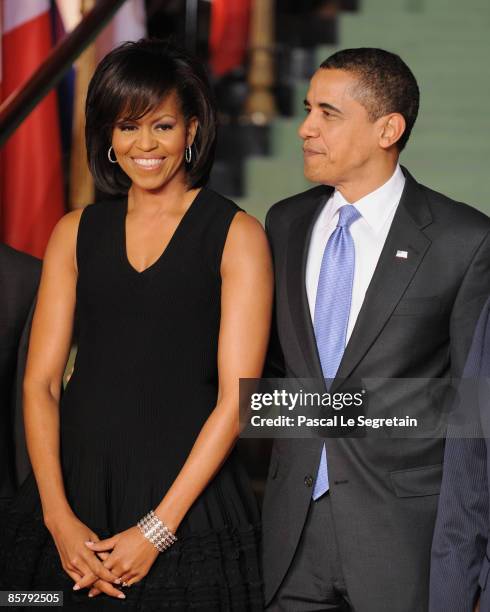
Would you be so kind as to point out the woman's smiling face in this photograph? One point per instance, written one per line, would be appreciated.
(150, 149)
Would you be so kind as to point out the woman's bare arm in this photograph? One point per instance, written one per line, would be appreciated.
(246, 304)
(49, 347)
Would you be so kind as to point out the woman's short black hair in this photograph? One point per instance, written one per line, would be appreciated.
(133, 79)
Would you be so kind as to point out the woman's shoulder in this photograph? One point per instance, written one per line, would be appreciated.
(67, 227)
(103, 208)
(71, 220)
(81, 225)
(100, 219)
(219, 202)
(241, 224)
(63, 239)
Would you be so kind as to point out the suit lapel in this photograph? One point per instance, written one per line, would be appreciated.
(297, 255)
(391, 276)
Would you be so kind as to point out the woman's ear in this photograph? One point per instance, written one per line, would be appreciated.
(192, 130)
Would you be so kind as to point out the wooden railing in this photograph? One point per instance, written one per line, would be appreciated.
(260, 106)
(21, 102)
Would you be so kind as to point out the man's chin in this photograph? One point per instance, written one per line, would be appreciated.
(316, 176)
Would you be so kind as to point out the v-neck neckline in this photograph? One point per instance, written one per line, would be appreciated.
(168, 245)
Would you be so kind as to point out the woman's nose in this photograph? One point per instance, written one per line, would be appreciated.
(146, 140)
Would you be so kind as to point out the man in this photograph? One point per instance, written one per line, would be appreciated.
(461, 548)
(377, 277)
(19, 279)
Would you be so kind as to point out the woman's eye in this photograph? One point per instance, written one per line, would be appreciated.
(164, 126)
(126, 128)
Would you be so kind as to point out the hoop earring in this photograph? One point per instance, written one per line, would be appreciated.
(188, 154)
(113, 161)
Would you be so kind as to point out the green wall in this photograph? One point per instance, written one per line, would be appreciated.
(447, 45)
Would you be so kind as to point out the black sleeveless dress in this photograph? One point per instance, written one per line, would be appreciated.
(144, 383)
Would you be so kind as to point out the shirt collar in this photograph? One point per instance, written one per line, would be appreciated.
(375, 207)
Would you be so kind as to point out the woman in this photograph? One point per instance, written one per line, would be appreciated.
(172, 286)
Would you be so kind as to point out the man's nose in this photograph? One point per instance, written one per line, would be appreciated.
(308, 129)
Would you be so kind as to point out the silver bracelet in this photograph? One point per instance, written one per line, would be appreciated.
(156, 531)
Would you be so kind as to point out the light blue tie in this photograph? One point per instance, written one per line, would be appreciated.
(332, 309)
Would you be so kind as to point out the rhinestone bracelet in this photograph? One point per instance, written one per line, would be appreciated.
(156, 531)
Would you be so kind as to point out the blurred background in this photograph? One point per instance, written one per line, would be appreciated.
(260, 55)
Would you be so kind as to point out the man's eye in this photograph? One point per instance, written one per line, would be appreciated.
(307, 110)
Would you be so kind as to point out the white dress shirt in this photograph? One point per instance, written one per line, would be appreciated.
(368, 233)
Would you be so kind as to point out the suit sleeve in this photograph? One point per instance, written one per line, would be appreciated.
(470, 300)
(274, 362)
(461, 532)
(460, 535)
(22, 463)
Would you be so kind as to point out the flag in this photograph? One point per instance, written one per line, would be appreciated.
(228, 34)
(31, 172)
(129, 23)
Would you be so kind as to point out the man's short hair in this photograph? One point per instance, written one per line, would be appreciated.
(385, 84)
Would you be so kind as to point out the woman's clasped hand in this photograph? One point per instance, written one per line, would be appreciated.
(81, 564)
(123, 559)
(131, 556)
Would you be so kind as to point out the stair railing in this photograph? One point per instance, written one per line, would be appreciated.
(22, 101)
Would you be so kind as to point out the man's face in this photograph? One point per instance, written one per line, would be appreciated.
(339, 140)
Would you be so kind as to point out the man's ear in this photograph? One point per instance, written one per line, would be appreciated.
(192, 130)
(392, 127)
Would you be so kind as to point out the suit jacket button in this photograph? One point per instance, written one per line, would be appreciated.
(309, 480)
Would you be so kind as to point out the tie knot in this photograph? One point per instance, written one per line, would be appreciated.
(347, 215)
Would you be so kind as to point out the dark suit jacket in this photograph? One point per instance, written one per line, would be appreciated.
(461, 548)
(19, 279)
(417, 321)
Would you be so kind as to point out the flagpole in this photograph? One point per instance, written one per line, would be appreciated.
(81, 191)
